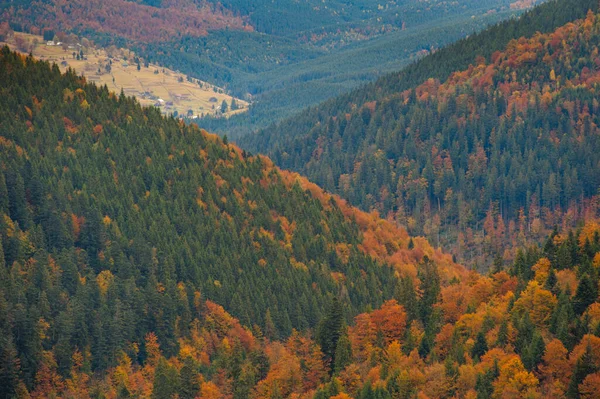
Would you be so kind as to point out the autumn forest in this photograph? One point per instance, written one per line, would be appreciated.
(445, 242)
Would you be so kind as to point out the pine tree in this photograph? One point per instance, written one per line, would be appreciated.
(584, 366)
(330, 330)
(270, 329)
(551, 281)
(17, 201)
(502, 338)
(3, 195)
(166, 380)
(585, 295)
(534, 353)
(190, 384)
(480, 347)
(484, 385)
(9, 361)
(343, 352)
(430, 286)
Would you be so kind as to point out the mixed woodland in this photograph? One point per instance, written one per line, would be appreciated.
(143, 257)
(130, 240)
(493, 156)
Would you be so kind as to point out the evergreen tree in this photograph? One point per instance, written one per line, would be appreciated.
(330, 330)
(480, 347)
(585, 295)
(485, 382)
(502, 338)
(166, 380)
(4, 205)
(584, 366)
(190, 384)
(270, 329)
(343, 352)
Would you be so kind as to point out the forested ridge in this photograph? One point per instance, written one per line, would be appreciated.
(117, 223)
(126, 236)
(496, 154)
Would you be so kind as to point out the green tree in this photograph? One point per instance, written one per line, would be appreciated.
(166, 380)
(480, 347)
(343, 352)
(190, 383)
(585, 295)
(584, 366)
(330, 330)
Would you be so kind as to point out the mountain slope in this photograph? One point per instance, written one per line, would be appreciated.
(116, 222)
(457, 157)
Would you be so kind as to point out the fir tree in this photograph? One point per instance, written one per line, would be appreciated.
(584, 366)
(343, 352)
(480, 347)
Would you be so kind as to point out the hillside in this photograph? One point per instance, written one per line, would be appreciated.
(496, 154)
(283, 55)
(117, 223)
(78, 325)
(173, 92)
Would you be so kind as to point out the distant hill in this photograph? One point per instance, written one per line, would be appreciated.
(283, 55)
(479, 156)
(127, 19)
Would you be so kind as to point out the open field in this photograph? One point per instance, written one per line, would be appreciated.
(152, 85)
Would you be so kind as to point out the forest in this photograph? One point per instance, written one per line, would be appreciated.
(530, 331)
(130, 241)
(494, 155)
(143, 257)
(117, 222)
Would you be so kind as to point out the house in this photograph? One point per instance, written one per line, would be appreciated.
(51, 43)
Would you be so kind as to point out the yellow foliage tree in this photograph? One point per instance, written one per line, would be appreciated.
(540, 303)
(515, 381)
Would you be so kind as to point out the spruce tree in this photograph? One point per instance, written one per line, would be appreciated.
(3, 195)
(585, 295)
(584, 366)
(330, 330)
(343, 352)
(480, 347)
(166, 380)
(190, 383)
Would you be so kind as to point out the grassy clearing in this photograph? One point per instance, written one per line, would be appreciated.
(152, 85)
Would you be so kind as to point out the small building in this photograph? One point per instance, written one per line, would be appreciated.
(50, 43)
